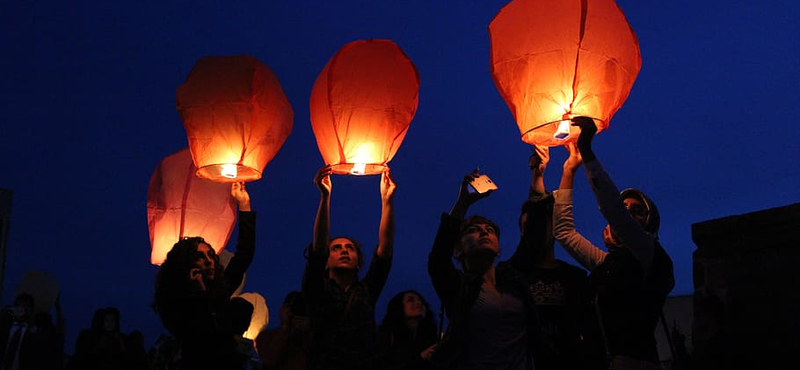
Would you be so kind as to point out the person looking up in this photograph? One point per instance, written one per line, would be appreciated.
(630, 281)
(558, 287)
(193, 291)
(342, 306)
(492, 318)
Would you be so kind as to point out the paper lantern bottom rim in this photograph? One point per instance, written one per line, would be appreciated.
(214, 172)
(543, 134)
(348, 169)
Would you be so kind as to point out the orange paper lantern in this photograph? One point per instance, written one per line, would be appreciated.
(552, 60)
(362, 104)
(236, 117)
(181, 204)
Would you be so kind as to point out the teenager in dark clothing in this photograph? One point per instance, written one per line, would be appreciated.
(408, 333)
(24, 345)
(193, 291)
(558, 287)
(631, 281)
(342, 306)
(492, 319)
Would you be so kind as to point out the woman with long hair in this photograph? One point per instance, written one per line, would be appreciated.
(193, 291)
(408, 332)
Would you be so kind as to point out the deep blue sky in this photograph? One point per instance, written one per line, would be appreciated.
(89, 111)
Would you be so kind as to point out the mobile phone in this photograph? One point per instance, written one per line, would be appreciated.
(482, 184)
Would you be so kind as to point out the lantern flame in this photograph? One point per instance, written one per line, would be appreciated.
(358, 169)
(361, 106)
(236, 117)
(229, 171)
(562, 132)
(584, 67)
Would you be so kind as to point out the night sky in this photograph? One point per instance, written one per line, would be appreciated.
(709, 130)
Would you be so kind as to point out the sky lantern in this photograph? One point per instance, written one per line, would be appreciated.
(552, 60)
(362, 104)
(260, 317)
(181, 204)
(236, 117)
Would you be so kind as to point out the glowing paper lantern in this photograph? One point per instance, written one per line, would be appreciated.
(236, 117)
(362, 104)
(552, 60)
(181, 204)
(260, 317)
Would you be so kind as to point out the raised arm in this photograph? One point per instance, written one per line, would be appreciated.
(626, 229)
(466, 197)
(538, 163)
(246, 239)
(386, 230)
(536, 236)
(580, 248)
(322, 223)
(239, 192)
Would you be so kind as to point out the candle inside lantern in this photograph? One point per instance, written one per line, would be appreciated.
(229, 171)
(562, 131)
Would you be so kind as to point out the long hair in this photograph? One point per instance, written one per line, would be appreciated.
(394, 323)
(173, 285)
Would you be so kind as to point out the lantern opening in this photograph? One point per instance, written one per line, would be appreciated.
(551, 133)
(228, 170)
(562, 132)
(358, 169)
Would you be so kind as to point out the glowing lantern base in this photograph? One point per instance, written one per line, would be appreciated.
(226, 173)
(556, 133)
(358, 169)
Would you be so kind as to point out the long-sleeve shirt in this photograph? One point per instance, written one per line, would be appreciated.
(344, 334)
(631, 281)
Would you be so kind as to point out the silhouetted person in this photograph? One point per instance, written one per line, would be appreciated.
(287, 346)
(192, 293)
(165, 354)
(102, 346)
(491, 312)
(241, 315)
(137, 358)
(631, 281)
(23, 346)
(342, 306)
(559, 288)
(408, 333)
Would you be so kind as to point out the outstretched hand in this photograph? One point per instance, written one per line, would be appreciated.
(574, 160)
(539, 159)
(388, 186)
(323, 180)
(239, 192)
(588, 130)
(467, 196)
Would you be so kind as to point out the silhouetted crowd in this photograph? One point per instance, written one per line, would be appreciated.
(531, 311)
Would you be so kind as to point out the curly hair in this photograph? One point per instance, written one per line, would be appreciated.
(172, 284)
(394, 322)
